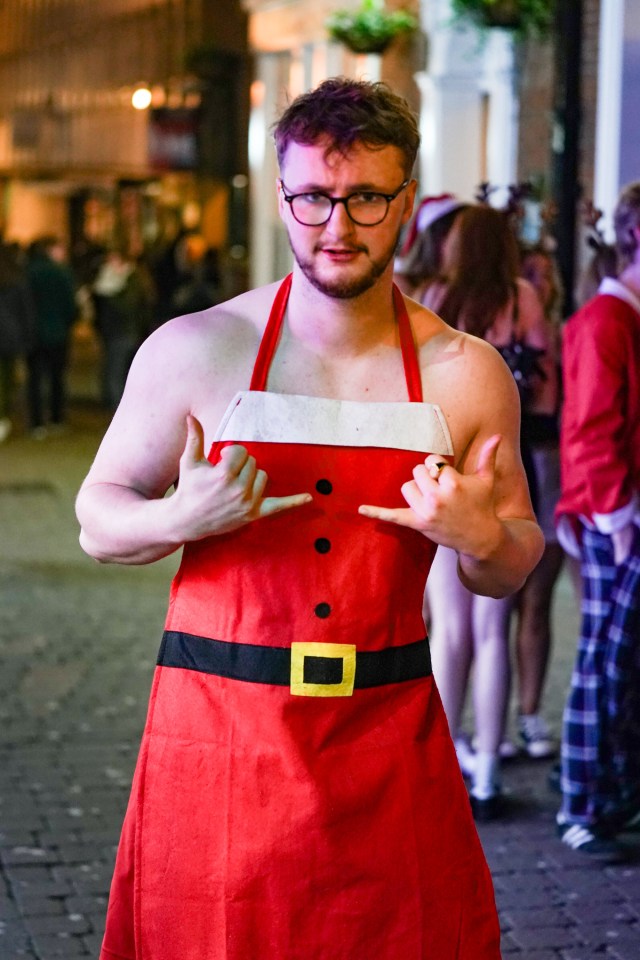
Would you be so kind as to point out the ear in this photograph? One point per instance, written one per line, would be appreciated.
(281, 200)
(409, 200)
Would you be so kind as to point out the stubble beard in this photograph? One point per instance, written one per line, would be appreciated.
(344, 288)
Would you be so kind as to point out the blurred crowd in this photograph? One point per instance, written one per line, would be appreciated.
(467, 263)
(47, 295)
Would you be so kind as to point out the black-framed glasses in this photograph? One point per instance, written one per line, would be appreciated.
(364, 207)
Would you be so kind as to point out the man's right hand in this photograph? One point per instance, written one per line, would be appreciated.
(211, 500)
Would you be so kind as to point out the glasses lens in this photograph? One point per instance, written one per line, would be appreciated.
(367, 208)
(312, 209)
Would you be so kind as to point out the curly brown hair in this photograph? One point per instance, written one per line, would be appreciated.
(346, 112)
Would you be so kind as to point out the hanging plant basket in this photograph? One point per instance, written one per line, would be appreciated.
(503, 13)
(525, 17)
(370, 28)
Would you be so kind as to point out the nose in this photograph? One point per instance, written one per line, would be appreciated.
(339, 221)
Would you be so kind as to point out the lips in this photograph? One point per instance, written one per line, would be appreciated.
(341, 253)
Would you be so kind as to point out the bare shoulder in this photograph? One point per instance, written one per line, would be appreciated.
(448, 354)
(193, 364)
(468, 379)
(217, 335)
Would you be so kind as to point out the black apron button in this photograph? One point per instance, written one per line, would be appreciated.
(322, 545)
(323, 610)
(324, 486)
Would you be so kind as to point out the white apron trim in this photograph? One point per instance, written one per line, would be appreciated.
(264, 417)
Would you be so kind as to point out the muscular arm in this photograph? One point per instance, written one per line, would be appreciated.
(481, 507)
(123, 506)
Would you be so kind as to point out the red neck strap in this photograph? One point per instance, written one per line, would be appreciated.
(274, 326)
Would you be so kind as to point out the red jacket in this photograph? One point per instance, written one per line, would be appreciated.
(600, 425)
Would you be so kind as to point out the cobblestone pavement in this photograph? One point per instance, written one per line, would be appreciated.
(77, 646)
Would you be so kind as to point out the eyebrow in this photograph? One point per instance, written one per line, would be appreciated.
(366, 187)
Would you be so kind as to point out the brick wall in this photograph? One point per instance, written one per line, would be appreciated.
(536, 80)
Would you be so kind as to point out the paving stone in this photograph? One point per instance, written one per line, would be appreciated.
(54, 947)
(41, 906)
(554, 936)
(624, 951)
(13, 938)
(599, 912)
(14, 856)
(8, 909)
(584, 953)
(527, 918)
(534, 955)
(23, 890)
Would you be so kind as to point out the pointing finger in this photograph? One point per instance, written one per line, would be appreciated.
(271, 505)
(402, 516)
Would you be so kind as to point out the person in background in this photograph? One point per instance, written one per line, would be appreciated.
(419, 262)
(540, 432)
(297, 791)
(123, 311)
(602, 260)
(481, 293)
(17, 332)
(420, 258)
(202, 288)
(52, 285)
(598, 519)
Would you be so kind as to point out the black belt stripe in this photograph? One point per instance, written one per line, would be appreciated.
(257, 664)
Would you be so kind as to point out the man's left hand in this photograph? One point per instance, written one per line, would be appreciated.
(451, 508)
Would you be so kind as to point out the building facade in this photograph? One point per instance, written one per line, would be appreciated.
(79, 160)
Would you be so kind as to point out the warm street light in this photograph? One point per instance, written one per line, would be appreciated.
(141, 97)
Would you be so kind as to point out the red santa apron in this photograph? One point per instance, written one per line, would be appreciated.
(297, 795)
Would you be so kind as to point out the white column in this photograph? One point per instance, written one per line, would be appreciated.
(503, 113)
(608, 108)
(469, 113)
(450, 155)
(272, 76)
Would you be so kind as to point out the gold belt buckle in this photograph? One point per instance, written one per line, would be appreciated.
(333, 651)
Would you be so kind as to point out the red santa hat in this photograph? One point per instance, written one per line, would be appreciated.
(428, 211)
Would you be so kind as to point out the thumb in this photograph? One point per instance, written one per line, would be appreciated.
(194, 445)
(487, 457)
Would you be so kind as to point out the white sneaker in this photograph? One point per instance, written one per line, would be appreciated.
(466, 756)
(535, 736)
(508, 749)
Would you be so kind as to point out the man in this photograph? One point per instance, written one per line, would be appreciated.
(598, 518)
(297, 794)
(53, 289)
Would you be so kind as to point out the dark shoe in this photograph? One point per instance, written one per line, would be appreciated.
(488, 808)
(554, 777)
(631, 823)
(587, 841)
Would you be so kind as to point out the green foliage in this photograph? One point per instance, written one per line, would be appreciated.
(525, 17)
(370, 28)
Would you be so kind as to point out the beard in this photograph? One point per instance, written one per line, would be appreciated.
(345, 287)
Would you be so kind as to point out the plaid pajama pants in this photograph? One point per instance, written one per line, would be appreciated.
(601, 726)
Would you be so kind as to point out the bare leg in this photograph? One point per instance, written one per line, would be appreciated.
(451, 640)
(491, 679)
(575, 575)
(533, 634)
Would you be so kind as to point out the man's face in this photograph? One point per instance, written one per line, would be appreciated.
(340, 258)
